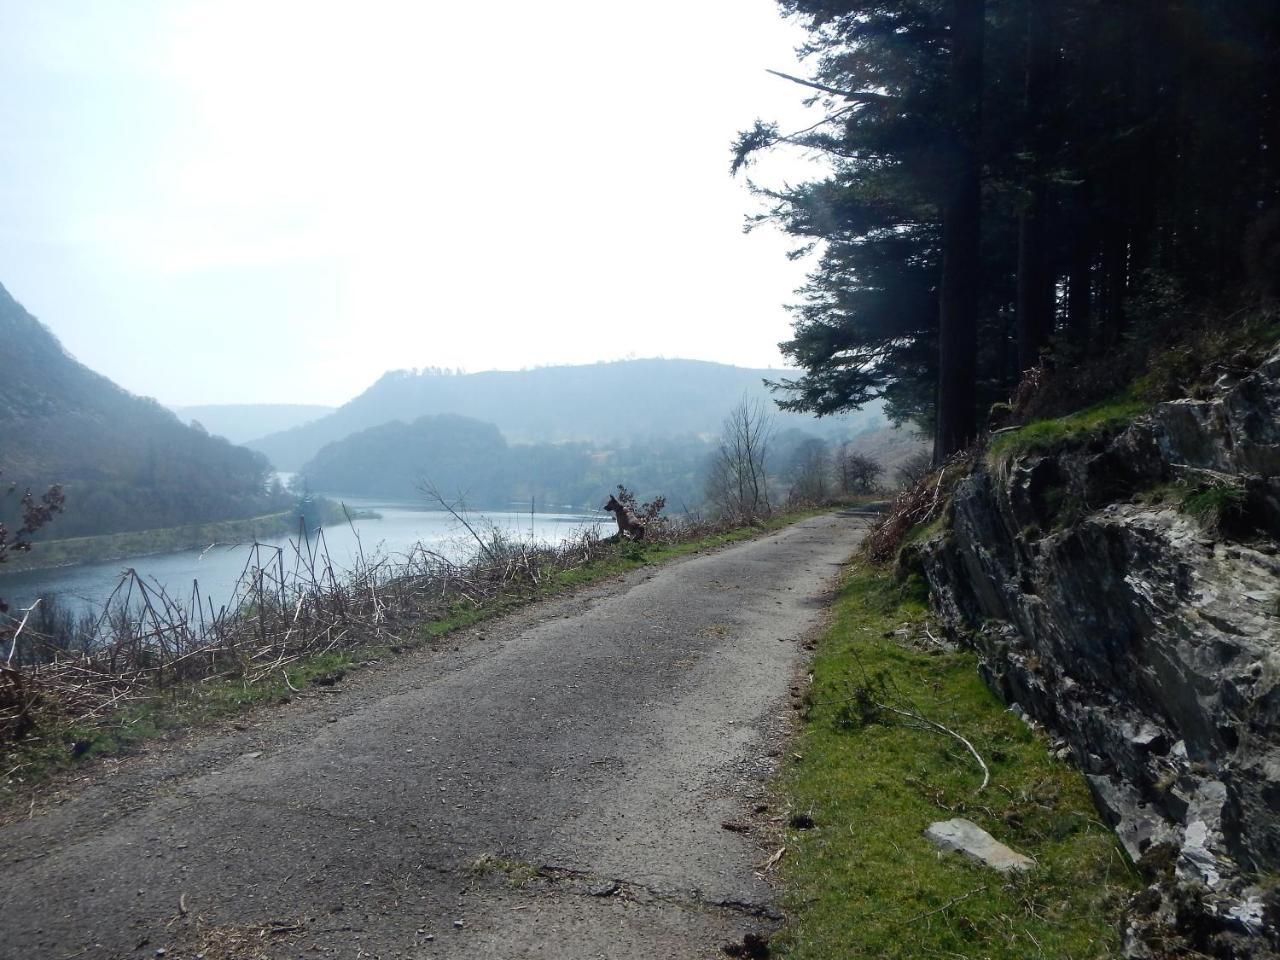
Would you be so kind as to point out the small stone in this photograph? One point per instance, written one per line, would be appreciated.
(606, 889)
(965, 836)
(458, 924)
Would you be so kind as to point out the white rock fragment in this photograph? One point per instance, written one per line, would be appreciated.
(965, 836)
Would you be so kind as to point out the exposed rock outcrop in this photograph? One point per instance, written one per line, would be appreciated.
(1148, 643)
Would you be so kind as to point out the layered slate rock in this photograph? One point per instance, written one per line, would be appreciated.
(1149, 644)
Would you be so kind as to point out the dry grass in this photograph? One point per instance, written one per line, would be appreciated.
(242, 942)
(290, 605)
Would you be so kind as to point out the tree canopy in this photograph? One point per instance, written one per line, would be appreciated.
(1012, 177)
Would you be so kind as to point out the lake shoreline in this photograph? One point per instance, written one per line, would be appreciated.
(215, 555)
(136, 544)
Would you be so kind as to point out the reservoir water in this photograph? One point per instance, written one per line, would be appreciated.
(217, 568)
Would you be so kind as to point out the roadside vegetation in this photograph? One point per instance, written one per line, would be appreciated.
(893, 708)
(150, 665)
(873, 769)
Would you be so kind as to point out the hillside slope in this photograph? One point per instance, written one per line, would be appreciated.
(637, 399)
(125, 462)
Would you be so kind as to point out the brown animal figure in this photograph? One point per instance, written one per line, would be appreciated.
(628, 525)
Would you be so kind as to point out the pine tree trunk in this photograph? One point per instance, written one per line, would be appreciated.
(1115, 273)
(1080, 284)
(961, 236)
(1035, 283)
(1035, 279)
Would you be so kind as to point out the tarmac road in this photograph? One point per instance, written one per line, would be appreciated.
(553, 784)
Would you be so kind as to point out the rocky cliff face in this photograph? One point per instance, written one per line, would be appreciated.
(1148, 640)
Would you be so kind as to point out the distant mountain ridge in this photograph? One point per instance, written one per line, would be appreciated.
(125, 461)
(638, 399)
(241, 422)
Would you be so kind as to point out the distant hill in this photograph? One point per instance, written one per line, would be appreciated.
(634, 399)
(389, 460)
(460, 455)
(126, 462)
(240, 422)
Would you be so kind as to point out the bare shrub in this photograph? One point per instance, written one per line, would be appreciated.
(914, 469)
(809, 474)
(35, 514)
(738, 485)
(859, 473)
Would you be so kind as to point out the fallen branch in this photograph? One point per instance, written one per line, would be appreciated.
(14, 646)
(935, 725)
(772, 861)
(945, 907)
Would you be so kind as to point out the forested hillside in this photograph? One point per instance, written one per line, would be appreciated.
(607, 402)
(461, 455)
(125, 462)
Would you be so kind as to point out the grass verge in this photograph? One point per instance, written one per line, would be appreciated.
(865, 882)
(33, 761)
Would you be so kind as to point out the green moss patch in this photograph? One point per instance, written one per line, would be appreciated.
(865, 882)
(1039, 436)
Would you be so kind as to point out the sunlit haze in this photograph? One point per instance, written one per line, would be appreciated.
(278, 201)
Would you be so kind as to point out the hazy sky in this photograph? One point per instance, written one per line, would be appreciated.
(232, 201)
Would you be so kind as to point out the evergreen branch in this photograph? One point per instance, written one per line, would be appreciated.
(859, 96)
